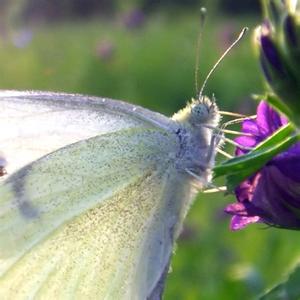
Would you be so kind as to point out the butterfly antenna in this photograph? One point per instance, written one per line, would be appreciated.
(199, 39)
(241, 35)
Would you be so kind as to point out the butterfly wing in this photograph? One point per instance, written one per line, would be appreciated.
(36, 123)
(94, 219)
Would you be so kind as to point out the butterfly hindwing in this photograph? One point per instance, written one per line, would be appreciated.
(104, 212)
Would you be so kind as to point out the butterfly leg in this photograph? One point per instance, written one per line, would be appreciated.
(215, 142)
(211, 188)
(237, 144)
(201, 180)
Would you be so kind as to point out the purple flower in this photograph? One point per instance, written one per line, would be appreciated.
(105, 50)
(272, 195)
(134, 19)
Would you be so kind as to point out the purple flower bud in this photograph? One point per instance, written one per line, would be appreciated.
(265, 68)
(266, 27)
(290, 32)
(272, 55)
(272, 195)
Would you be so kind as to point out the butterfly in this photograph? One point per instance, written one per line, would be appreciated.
(93, 193)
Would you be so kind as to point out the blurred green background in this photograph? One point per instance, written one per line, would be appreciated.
(144, 52)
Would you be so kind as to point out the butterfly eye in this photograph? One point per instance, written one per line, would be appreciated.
(200, 113)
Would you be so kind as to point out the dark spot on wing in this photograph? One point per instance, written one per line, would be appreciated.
(2, 171)
(182, 136)
(3, 164)
(22, 201)
(28, 210)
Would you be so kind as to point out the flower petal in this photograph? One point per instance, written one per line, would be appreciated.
(243, 191)
(238, 222)
(236, 208)
(250, 126)
(276, 198)
(245, 141)
(289, 167)
(268, 120)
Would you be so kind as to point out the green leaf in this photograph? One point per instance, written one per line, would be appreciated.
(241, 167)
(287, 290)
(280, 134)
(256, 161)
(240, 162)
(233, 180)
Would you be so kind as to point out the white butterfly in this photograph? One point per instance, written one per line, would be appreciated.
(95, 193)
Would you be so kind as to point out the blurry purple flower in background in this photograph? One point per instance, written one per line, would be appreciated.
(226, 35)
(272, 195)
(105, 50)
(22, 38)
(134, 19)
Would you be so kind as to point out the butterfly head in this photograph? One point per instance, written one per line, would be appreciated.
(203, 111)
(199, 112)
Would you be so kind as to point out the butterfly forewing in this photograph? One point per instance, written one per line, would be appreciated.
(36, 123)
